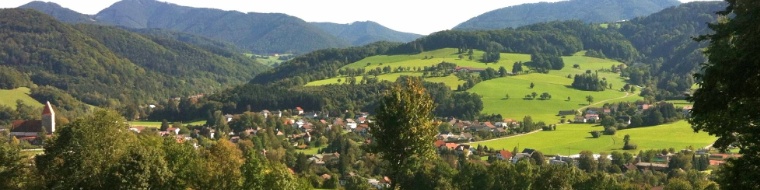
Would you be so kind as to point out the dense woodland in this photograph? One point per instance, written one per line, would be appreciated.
(670, 55)
(111, 67)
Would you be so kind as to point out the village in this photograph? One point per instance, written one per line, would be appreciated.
(305, 130)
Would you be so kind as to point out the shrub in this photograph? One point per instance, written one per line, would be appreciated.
(610, 130)
(595, 134)
(630, 146)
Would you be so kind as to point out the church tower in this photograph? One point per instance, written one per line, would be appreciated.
(48, 118)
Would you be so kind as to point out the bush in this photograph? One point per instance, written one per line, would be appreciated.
(630, 146)
(595, 134)
(610, 130)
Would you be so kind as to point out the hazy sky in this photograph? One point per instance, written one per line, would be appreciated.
(416, 16)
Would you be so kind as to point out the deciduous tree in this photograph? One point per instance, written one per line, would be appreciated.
(726, 104)
(404, 129)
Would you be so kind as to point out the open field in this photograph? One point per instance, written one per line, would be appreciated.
(157, 124)
(556, 82)
(268, 60)
(310, 151)
(9, 97)
(575, 138)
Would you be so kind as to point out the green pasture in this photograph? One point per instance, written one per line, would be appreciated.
(575, 138)
(268, 60)
(494, 91)
(157, 124)
(9, 97)
(557, 84)
(310, 151)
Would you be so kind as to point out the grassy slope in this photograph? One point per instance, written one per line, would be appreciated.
(418, 60)
(556, 84)
(575, 138)
(9, 97)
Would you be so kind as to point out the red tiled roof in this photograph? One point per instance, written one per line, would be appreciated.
(505, 154)
(451, 146)
(48, 109)
(439, 143)
(26, 126)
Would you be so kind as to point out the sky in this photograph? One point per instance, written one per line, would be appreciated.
(415, 16)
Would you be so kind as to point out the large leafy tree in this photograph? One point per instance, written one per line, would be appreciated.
(727, 104)
(404, 131)
(86, 152)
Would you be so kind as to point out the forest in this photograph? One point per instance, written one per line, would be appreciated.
(111, 67)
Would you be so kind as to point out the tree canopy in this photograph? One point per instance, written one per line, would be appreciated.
(404, 129)
(726, 104)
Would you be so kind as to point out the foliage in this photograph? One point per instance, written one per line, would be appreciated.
(84, 152)
(589, 82)
(91, 64)
(668, 52)
(403, 129)
(723, 105)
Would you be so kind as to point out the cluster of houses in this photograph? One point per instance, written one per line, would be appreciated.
(591, 115)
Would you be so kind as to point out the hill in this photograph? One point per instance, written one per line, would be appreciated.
(669, 54)
(590, 11)
(60, 13)
(10, 96)
(363, 33)
(108, 66)
(256, 32)
(493, 92)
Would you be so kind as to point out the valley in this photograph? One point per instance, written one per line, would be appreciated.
(578, 94)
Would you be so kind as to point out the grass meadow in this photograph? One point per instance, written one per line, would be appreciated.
(570, 139)
(157, 124)
(9, 97)
(494, 91)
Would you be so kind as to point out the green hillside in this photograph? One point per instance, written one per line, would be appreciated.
(556, 84)
(255, 32)
(575, 138)
(9, 97)
(493, 92)
(107, 66)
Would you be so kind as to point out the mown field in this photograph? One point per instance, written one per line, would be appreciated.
(570, 139)
(157, 124)
(494, 92)
(557, 84)
(9, 97)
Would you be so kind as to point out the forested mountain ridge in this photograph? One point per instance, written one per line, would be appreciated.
(669, 54)
(590, 11)
(270, 32)
(60, 13)
(109, 67)
(363, 33)
(256, 32)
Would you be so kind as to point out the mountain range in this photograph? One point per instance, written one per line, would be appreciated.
(254, 32)
(591, 11)
(109, 66)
